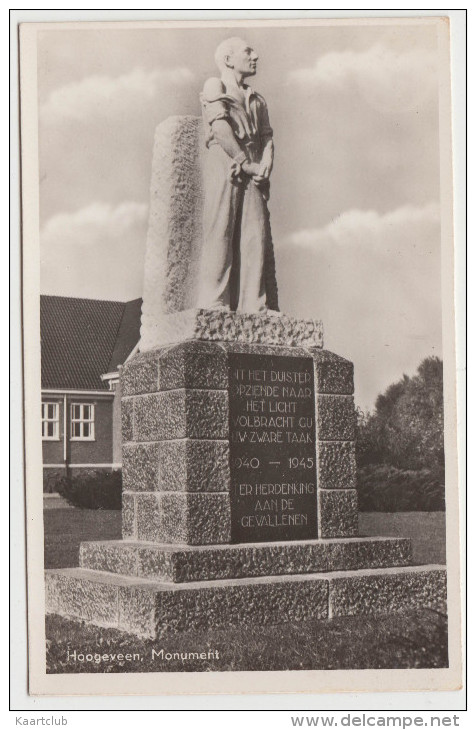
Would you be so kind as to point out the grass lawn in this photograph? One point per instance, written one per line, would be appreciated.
(66, 528)
(415, 640)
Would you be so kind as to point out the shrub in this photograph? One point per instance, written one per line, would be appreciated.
(94, 490)
(384, 488)
(51, 479)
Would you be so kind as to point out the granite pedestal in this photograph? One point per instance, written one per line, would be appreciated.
(239, 499)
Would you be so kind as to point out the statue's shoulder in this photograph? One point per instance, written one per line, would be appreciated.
(213, 88)
(260, 97)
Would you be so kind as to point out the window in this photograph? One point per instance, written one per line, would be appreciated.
(82, 422)
(50, 421)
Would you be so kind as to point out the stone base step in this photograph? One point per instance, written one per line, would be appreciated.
(152, 609)
(184, 563)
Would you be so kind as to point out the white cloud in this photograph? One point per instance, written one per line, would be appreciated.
(107, 95)
(366, 228)
(92, 225)
(96, 136)
(390, 80)
(374, 280)
(97, 251)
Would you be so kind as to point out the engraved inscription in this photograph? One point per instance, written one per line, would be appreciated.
(272, 448)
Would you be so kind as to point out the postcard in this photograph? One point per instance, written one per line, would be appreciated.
(239, 356)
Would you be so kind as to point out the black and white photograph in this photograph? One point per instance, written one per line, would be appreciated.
(239, 349)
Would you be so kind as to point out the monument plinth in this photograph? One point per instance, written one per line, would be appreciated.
(239, 498)
(223, 443)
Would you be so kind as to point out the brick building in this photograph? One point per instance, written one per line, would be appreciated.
(83, 344)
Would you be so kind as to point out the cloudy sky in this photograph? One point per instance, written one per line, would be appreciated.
(355, 188)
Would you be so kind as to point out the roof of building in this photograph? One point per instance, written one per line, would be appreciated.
(128, 334)
(82, 339)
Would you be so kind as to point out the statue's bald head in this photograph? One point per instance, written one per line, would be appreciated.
(226, 49)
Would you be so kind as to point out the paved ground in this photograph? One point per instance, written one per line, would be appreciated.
(54, 501)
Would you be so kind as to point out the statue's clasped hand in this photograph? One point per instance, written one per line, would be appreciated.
(252, 169)
(259, 172)
(266, 165)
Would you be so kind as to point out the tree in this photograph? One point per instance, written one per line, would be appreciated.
(406, 429)
(400, 449)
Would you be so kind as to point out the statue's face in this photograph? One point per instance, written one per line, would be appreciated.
(243, 60)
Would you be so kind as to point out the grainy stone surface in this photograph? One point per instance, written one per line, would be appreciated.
(174, 238)
(140, 374)
(141, 467)
(245, 604)
(187, 365)
(286, 559)
(81, 594)
(155, 563)
(148, 517)
(388, 592)
(209, 520)
(195, 465)
(333, 374)
(109, 556)
(155, 609)
(136, 611)
(338, 513)
(159, 416)
(194, 365)
(54, 582)
(335, 417)
(178, 414)
(195, 519)
(181, 517)
(127, 417)
(207, 414)
(173, 518)
(181, 563)
(244, 327)
(336, 466)
(190, 365)
(254, 348)
(128, 516)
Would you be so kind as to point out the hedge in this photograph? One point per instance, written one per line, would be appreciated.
(94, 490)
(384, 488)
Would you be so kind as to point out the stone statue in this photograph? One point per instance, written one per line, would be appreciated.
(237, 269)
